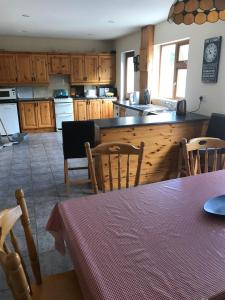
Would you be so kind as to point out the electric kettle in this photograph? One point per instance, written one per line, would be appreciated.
(181, 107)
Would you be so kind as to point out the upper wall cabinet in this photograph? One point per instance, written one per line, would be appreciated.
(93, 69)
(32, 68)
(23, 68)
(84, 69)
(77, 69)
(8, 74)
(40, 68)
(59, 64)
(107, 72)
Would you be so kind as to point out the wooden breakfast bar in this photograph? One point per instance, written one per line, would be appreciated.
(161, 134)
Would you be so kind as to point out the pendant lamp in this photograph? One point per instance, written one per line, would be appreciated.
(196, 11)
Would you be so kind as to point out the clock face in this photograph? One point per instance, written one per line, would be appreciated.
(211, 52)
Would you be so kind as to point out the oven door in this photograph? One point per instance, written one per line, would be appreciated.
(61, 118)
(63, 108)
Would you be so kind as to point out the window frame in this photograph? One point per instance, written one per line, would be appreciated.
(177, 65)
(127, 55)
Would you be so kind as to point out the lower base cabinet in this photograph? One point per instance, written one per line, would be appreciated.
(92, 109)
(37, 116)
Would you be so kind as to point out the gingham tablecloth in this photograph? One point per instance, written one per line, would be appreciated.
(152, 242)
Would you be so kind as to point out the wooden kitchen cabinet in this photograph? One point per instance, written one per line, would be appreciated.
(40, 70)
(36, 115)
(45, 114)
(107, 71)
(94, 109)
(80, 110)
(28, 115)
(59, 64)
(87, 109)
(91, 68)
(24, 68)
(8, 74)
(106, 109)
(32, 68)
(84, 69)
(77, 69)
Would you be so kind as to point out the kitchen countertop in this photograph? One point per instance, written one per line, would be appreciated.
(89, 98)
(169, 117)
(35, 99)
(142, 107)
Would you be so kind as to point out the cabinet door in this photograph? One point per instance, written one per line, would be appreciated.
(59, 64)
(91, 68)
(77, 69)
(45, 114)
(107, 69)
(39, 65)
(107, 109)
(80, 110)
(28, 115)
(94, 109)
(24, 68)
(8, 72)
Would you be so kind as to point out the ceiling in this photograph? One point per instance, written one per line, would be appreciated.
(87, 19)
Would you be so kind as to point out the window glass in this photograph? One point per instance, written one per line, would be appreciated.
(167, 71)
(183, 52)
(181, 83)
(130, 75)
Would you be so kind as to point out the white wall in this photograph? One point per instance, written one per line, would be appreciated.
(53, 44)
(214, 93)
(124, 44)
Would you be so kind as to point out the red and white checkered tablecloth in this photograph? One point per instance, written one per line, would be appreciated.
(151, 242)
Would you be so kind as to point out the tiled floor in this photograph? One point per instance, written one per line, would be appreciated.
(36, 165)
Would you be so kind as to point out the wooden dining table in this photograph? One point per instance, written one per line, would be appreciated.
(151, 242)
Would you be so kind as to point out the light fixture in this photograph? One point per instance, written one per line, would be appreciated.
(197, 11)
(111, 21)
(25, 16)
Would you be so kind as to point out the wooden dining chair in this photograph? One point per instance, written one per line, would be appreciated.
(116, 158)
(202, 155)
(62, 286)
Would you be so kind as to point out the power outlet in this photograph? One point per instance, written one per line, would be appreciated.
(202, 98)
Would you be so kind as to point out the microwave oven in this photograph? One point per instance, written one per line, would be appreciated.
(7, 94)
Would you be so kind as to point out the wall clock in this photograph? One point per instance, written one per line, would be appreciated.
(211, 58)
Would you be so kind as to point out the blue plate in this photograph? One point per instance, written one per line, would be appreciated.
(215, 205)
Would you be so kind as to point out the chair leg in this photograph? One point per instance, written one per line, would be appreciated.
(179, 167)
(66, 172)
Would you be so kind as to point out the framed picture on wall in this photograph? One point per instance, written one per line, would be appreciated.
(211, 59)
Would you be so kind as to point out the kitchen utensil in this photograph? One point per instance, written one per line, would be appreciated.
(181, 107)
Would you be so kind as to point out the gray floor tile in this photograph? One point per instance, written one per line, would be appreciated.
(37, 166)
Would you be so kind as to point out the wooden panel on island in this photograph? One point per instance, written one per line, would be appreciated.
(160, 160)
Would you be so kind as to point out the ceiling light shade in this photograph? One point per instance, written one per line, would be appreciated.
(196, 11)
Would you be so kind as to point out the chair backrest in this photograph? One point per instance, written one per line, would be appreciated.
(216, 127)
(116, 159)
(202, 155)
(10, 257)
(74, 135)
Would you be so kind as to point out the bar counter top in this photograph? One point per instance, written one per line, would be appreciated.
(162, 118)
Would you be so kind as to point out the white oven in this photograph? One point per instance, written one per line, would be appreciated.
(63, 111)
(7, 94)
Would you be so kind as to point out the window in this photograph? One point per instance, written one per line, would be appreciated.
(173, 70)
(129, 73)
